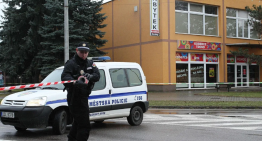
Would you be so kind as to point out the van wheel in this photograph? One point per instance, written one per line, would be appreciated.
(20, 129)
(99, 121)
(136, 116)
(60, 122)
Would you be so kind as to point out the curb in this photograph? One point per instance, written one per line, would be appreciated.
(201, 107)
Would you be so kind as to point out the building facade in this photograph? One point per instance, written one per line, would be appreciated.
(184, 44)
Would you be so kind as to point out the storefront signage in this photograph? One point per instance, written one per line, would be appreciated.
(181, 73)
(183, 44)
(181, 56)
(241, 59)
(230, 58)
(211, 57)
(154, 18)
(196, 57)
(211, 72)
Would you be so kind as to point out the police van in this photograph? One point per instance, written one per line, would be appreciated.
(120, 92)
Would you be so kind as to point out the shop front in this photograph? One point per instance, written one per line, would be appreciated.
(241, 72)
(197, 70)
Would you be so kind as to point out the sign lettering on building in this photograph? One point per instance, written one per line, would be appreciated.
(181, 56)
(154, 17)
(211, 57)
(196, 57)
(183, 44)
(241, 59)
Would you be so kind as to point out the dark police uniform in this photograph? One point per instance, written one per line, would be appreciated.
(77, 96)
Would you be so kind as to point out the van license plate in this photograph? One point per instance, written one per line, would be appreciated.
(8, 114)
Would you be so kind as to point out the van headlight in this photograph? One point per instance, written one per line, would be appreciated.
(2, 102)
(40, 101)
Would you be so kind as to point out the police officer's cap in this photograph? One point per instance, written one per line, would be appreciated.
(83, 47)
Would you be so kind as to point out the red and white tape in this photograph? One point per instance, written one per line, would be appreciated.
(34, 85)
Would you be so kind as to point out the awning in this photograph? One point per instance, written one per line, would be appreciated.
(245, 45)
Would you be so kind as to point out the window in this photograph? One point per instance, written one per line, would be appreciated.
(197, 75)
(128, 77)
(196, 70)
(134, 77)
(230, 73)
(101, 84)
(237, 25)
(253, 74)
(118, 78)
(194, 18)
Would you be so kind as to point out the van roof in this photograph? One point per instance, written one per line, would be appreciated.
(100, 64)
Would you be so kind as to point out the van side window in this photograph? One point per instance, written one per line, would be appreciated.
(134, 77)
(101, 84)
(118, 78)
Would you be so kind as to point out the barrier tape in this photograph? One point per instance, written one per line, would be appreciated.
(70, 81)
(34, 85)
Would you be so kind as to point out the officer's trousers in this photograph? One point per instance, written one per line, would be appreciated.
(81, 124)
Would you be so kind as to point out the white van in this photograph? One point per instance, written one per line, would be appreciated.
(120, 92)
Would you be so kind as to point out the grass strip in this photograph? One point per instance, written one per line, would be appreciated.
(257, 94)
(207, 103)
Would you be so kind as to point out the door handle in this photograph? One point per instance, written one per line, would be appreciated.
(110, 91)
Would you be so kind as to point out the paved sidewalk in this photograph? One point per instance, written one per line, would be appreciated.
(192, 95)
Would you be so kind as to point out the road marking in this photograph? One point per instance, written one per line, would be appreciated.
(236, 122)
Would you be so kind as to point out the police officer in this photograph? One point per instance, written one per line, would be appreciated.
(81, 69)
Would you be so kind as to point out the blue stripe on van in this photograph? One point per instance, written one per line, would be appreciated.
(100, 96)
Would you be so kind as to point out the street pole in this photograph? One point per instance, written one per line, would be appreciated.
(66, 30)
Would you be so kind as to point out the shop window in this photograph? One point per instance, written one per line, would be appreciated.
(197, 75)
(182, 75)
(237, 25)
(211, 74)
(201, 19)
(253, 74)
(230, 73)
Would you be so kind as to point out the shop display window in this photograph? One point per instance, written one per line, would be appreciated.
(198, 69)
(197, 75)
(230, 73)
(253, 74)
(182, 75)
(211, 74)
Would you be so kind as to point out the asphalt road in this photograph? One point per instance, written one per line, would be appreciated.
(163, 125)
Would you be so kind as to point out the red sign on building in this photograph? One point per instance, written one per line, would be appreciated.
(230, 58)
(211, 57)
(196, 57)
(182, 44)
(241, 59)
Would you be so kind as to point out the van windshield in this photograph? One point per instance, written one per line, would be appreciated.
(54, 76)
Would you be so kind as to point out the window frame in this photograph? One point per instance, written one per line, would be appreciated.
(127, 78)
(188, 12)
(126, 69)
(99, 80)
(204, 62)
(237, 18)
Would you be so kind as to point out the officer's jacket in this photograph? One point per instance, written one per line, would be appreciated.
(72, 72)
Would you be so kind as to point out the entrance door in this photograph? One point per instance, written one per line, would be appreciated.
(241, 76)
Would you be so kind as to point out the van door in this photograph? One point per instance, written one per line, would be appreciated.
(99, 100)
(126, 89)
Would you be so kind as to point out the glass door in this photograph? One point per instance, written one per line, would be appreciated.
(241, 76)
